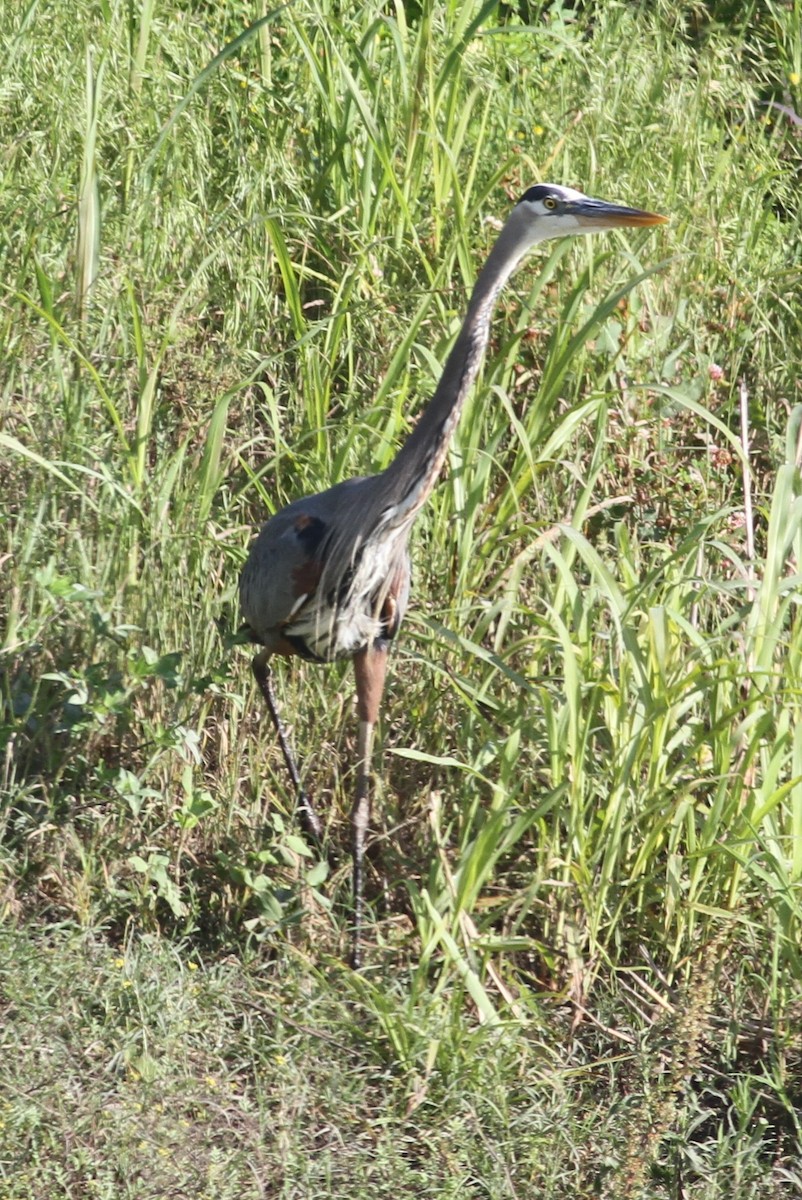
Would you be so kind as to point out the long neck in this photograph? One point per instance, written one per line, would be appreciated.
(414, 471)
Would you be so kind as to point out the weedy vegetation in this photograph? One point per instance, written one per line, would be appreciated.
(236, 242)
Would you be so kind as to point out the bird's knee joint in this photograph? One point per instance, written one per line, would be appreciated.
(360, 816)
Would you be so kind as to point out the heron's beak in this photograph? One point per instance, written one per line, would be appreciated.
(598, 214)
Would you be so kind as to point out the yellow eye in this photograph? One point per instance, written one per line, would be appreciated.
(549, 202)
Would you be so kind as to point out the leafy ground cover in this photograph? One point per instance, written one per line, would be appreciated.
(236, 244)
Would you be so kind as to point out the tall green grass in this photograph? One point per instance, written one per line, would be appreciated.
(236, 247)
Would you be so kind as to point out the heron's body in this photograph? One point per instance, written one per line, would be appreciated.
(312, 611)
(328, 576)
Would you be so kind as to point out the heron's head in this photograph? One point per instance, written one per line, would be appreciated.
(554, 211)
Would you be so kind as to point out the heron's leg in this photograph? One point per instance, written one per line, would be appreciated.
(310, 821)
(360, 818)
(370, 667)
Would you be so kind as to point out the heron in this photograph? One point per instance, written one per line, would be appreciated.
(328, 576)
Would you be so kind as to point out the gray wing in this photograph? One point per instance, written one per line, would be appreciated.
(288, 558)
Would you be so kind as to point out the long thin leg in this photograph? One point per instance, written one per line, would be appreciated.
(370, 667)
(360, 819)
(310, 821)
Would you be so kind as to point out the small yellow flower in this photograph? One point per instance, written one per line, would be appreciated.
(119, 963)
(794, 78)
(192, 966)
(538, 131)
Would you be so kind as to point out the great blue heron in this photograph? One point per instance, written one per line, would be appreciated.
(328, 576)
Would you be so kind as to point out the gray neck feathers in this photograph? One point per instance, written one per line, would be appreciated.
(412, 474)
